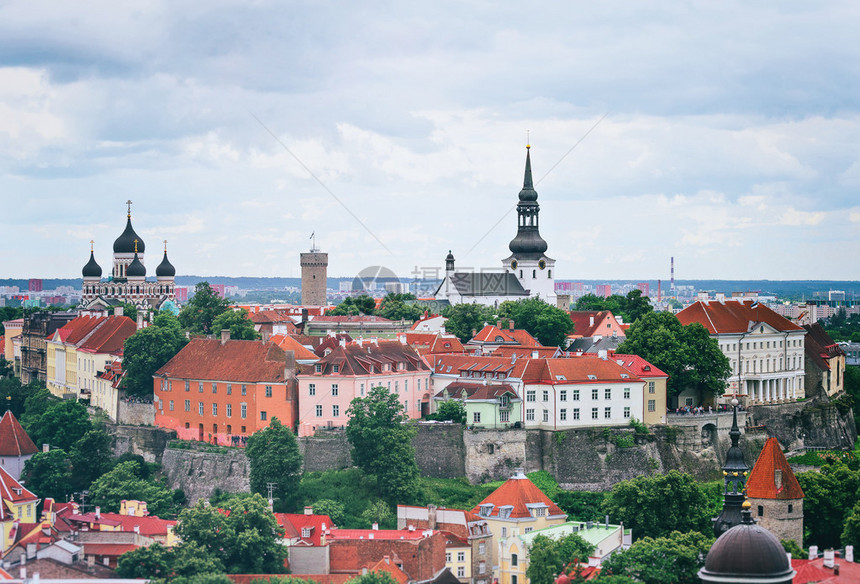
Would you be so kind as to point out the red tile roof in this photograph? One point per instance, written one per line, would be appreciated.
(365, 358)
(294, 523)
(734, 316)
(435, 342)
(109, 335)
(492, 334)
(519, 492)
(108, 549)
(819, 346)
(582, 369)
(525, 352)
(380, 534)
(288, 343)
(77, 329)
(12, 491)
(762, 482)
(350, 318)
(149, 525)
(272, 316)
(809, 571)
(386, 565)
(240, 361)
(13, 439)
(478, 391)
(638, 366)
(583, 325)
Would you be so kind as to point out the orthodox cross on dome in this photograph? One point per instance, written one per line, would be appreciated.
(135, 246)
(92, 244)
(129, 209)
(165, 246)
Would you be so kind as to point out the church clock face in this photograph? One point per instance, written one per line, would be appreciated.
(514, 264)
(542, 264)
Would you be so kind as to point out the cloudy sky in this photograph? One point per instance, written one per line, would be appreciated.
(723, 133)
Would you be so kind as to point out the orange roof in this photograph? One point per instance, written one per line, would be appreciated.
(521, 494)
(583, 325)
(762, 481)
(294, 523)
(288, 343)
(386, 565)
(250, 361)
(11, 490)
(13, 439)
(809, 571)
(638, 366)
(493, 334)
(108, 549)
(77, 329)
(734, 316)
(109, 335)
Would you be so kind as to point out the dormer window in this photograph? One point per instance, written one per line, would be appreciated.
(335, 368)
(317, 368)
(486, 510)
(306, 531)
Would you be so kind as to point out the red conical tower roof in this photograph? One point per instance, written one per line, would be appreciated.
(763, 482)
(13, 439)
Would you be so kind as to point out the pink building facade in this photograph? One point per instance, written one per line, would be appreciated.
(349, 370)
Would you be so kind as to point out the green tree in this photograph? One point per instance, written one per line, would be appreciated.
(154, 561)
(61, 424)
(35, 404)
(790, 546)
(203, 578)
(382, 443)
(380, 577)
(49, 474)
(584, 505)
(243, 535)
(548, 324)
(641, 504)
(463, 319)
(122, 482)
(90, 457)
(13, 395)
(637, 306)
(274, 456)
(548, 557)
(355, 305)
(851, 532)
(829, 497)
(451, 409)
(149, 349)
(330, 507)
(204, 307)
(851, 383)
(394, 307)
(237, 322)
(129, 310)
(378, 512)
(687, 353)
(673, 559)
(630, 307)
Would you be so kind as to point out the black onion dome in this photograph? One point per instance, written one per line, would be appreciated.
(135, 268)
(125, 242)
(747, 553)
(92, 269)
(165, 268)
(528, 245)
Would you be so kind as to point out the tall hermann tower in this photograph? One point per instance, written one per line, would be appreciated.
(528, 260)
(314, 275)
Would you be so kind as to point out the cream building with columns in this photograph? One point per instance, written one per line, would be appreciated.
(766, 350)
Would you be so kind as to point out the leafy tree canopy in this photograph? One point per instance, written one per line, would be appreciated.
(548, 324)
(630, 307)
(687, 353)
(13, 395)
(49, 474)
(378, 512)
(149, 349)
(187, 560)
(380, 577)
(382, 443)
(332, 508)
(274, 457)
(673, 559)
(830, 496)
(394, 307)
(641, 504)
(548, 557)
(204, 307)
(91, 457)
(60, 424)
(123, 482)
(452, 409)
(237, 322)
(243, 535)
(851, 532)
(355, 305)
(463, 319)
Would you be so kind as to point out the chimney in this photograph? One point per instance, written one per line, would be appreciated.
(511, 323)
(342, 342)
(813, 552)
(304, 315)
(139, 319)
(265, 336)
(534, 354)
(225, 335)
(591, 320)
(117, 311)
(309, 510)
(829, 558)
(606, 522)
(290, 362)
(98, 512)
(849, 553)
(431, 516)
(137, 528)
(360, 342)
(498, 324)
(474, 333)
(602, 354)
(46, 447)
(375, 527)
(23, 571)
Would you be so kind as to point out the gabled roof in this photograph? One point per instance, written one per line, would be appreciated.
(271, 317)
(520, 493)
(387, 565)
(734, 316)
(149, 525)
(433, 342)
(492, 334)
(350, 318)
(478, 391)
(294, 523)
(74, 331)
(249, 361)
(819, 346)
(486, 284)
(109, 336)
(13, 439)
(365, 358)
(288, 343)
(809, 571)
(639, 366)
(582, 323)
(12, 491)
(762, 480)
